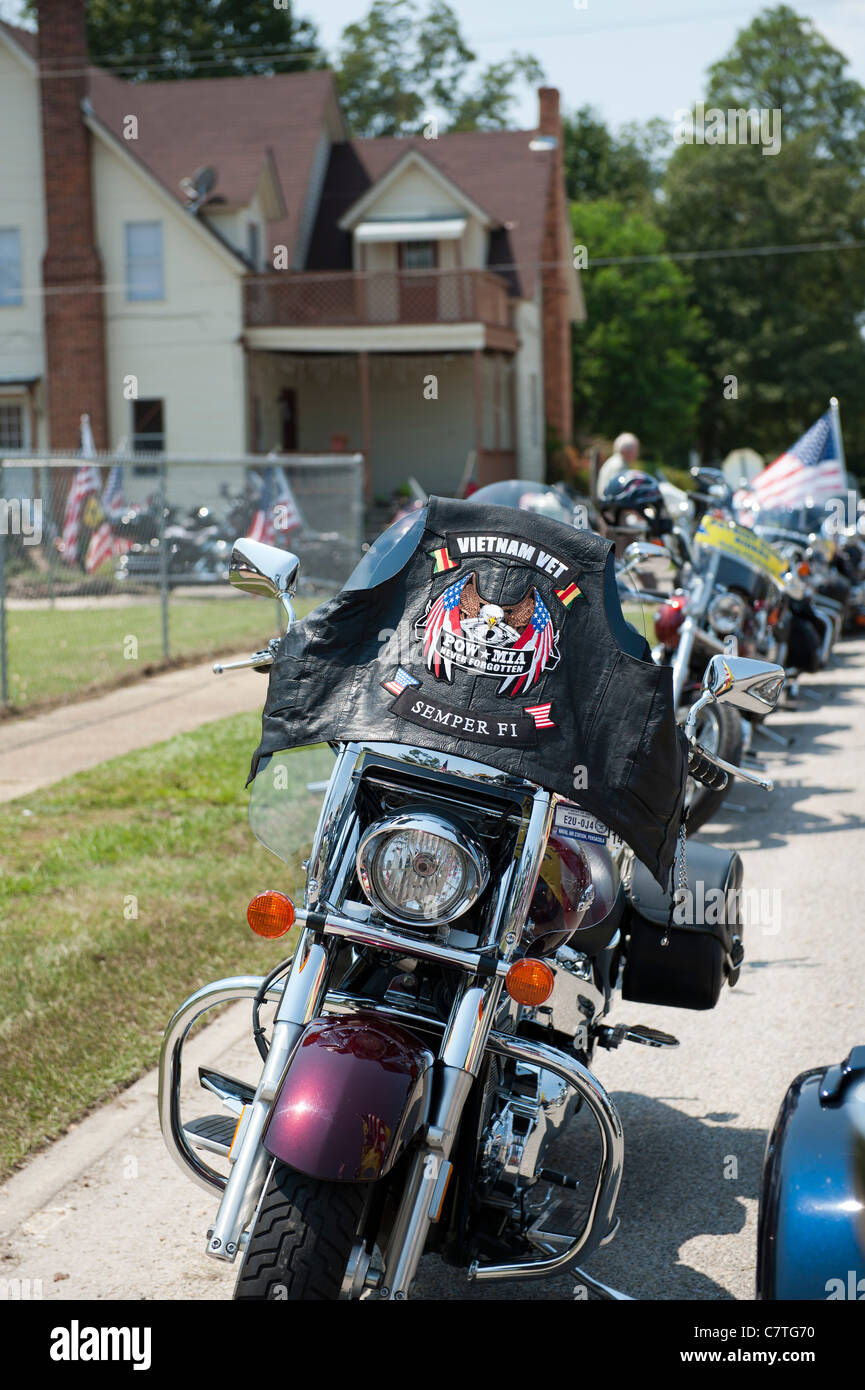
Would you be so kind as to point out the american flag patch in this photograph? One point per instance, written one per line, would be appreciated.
(541, 715)
(398, 682)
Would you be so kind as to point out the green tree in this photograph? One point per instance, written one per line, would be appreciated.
(785, 325)
(633, 366)
(627, 165)
(399, 64)
(164, 39)
(782, 63)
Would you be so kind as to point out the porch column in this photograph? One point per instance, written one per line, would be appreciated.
(251, 440)
(363, 371)
(477, 366)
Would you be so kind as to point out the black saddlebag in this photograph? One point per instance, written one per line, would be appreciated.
(704, 937)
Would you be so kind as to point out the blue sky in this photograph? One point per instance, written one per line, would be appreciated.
(630, 59)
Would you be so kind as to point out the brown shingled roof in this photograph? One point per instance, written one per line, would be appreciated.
(232, 122)
(229, 122)
(497, 169)
(25, 38)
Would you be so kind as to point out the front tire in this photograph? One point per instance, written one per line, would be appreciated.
(304, 1233)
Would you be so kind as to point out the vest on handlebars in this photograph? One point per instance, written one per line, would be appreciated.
(500, 639)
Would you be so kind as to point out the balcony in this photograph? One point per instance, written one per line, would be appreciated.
(349, 299)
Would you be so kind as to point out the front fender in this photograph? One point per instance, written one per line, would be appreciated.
(356, 1092)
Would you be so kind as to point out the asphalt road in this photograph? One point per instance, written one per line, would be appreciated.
(105, 1214)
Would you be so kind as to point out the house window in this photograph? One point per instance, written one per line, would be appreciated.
(418, 255)
(144, 269)
(11, 425)
(10, 265)
(148, 433)
(253, 245)
(534, 412)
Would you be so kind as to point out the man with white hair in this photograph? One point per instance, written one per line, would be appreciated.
(626, 451)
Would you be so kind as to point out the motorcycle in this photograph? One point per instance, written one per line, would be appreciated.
(463, 932)
(721, 602)
(811, 1221)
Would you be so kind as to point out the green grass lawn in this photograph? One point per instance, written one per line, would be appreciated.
(86, 985)
(56, 652)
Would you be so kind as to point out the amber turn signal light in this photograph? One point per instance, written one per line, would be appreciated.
(270, 914)
(530, 981)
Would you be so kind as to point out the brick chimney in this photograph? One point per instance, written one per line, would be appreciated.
(71, 266)
(556, 255)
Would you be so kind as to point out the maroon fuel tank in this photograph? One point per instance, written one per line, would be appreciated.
(355, 1094)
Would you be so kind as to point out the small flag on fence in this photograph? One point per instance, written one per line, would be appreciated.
(262, 523)
(112, 497)
(278, 513)
(85, 484)
(104, 545)
(287, 516)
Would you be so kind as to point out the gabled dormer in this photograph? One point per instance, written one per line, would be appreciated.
(415, 218)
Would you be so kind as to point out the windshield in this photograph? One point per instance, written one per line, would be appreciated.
(284, 803)
(389, 553)
(527, 497)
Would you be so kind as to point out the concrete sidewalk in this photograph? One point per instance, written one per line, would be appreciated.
(36, 752)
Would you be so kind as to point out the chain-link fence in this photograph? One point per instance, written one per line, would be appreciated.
(112, 566)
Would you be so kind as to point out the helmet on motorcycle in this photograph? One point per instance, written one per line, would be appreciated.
(633, 490)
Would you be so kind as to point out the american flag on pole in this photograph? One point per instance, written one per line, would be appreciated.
(112, 496)
(104, 545)
(286, 513)
(811, 471)
(262, 523)
(85, 483)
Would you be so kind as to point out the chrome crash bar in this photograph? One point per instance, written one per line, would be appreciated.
(234, 988)
(600, 1222)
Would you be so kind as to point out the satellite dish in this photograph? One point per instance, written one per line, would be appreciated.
(198, 187)
(741, 466)
(204, 180)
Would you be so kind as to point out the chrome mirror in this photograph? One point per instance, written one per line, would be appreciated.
(653, 560)
(753, 686)
(264, 570)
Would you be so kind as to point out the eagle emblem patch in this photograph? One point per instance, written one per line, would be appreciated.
(514, 643)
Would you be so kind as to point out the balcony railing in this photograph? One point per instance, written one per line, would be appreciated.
(313, 299)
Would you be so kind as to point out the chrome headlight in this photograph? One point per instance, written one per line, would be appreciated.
(419, 869)
(726, 612)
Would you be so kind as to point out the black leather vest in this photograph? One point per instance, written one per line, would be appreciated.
(495, 641)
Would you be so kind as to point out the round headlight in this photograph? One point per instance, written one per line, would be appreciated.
(419, 869)
(726, 612)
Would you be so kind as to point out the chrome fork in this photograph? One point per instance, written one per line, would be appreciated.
(300, 1002)
(459, 1062)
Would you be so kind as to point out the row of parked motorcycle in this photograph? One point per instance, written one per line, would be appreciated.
(468, 922)
(192, 546)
